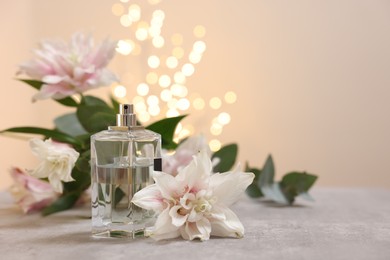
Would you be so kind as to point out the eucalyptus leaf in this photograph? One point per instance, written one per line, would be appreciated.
(69, 124)
(267, 173)
(275, 193)
(227, 158)
(62, 203)
(166, 128)
(295, 183)
(253, 189)
(47, 133)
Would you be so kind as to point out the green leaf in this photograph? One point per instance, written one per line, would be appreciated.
(274, 192)
(33, 83)
(68, 101)
(166, 128)
(227, 157)
(69, 124)
(95, 118)
(266, 183)
(295, 183)
(62, 203)
(118, 195)
(93, 101)
(47, 133)
(82, 181)
(253, 189)
(267, 173)
(82, 163)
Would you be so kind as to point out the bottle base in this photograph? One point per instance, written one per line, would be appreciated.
(119, 234)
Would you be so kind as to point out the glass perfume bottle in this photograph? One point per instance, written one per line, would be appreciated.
(122, 162)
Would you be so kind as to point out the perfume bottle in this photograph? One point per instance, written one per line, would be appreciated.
(122, 162)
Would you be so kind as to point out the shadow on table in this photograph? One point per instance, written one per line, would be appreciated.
(273, 204)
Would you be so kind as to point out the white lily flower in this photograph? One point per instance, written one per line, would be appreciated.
(195, 203)
(57, 162)
(173, 163)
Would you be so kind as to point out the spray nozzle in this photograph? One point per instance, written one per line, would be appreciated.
(126, 116)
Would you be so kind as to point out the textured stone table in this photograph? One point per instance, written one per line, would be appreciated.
(341, 224)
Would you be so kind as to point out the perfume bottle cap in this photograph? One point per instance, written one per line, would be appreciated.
(126, 116)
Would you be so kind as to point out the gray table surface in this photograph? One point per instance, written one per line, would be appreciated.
(343, 223)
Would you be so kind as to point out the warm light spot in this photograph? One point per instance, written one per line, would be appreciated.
(195, 57)
(153, 61)
(199, 46)
(215, 103)
(183, 104)
(188, 69)
(224, 118)
(164, 81)
(172, 103)
(138, 99)
(125, 20)
(158, 41)
(143, 24)
(159, 15)
(124, 1)
(125, 47)
(179, 90)
(179, 77)
(166, 95)
(176, 89)
(134, 12)
(143, 116)
(120, 91)
(230, 97)
(142, 89)
(216, 129)
(154, 2)
(178, 52)
(178, 129)
(117, 9)
(215, 145)
(172, 62)
(137, 50)
(152, 100)
(199, 31)
(177, 39)
(152, 78)
(190, 128)
(184, 133)
(154, 31)
(154, 110)
(141, 34)
(172, 113)
(183, 91)
(198, 103)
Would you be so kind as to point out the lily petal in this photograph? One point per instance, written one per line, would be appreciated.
(168, 185)
(149, 198)
(200, 229)
(163, 229)
(229, 186)
(195, 174)
(229, 227)
(177, 219)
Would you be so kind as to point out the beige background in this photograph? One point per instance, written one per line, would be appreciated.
(312, 78)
